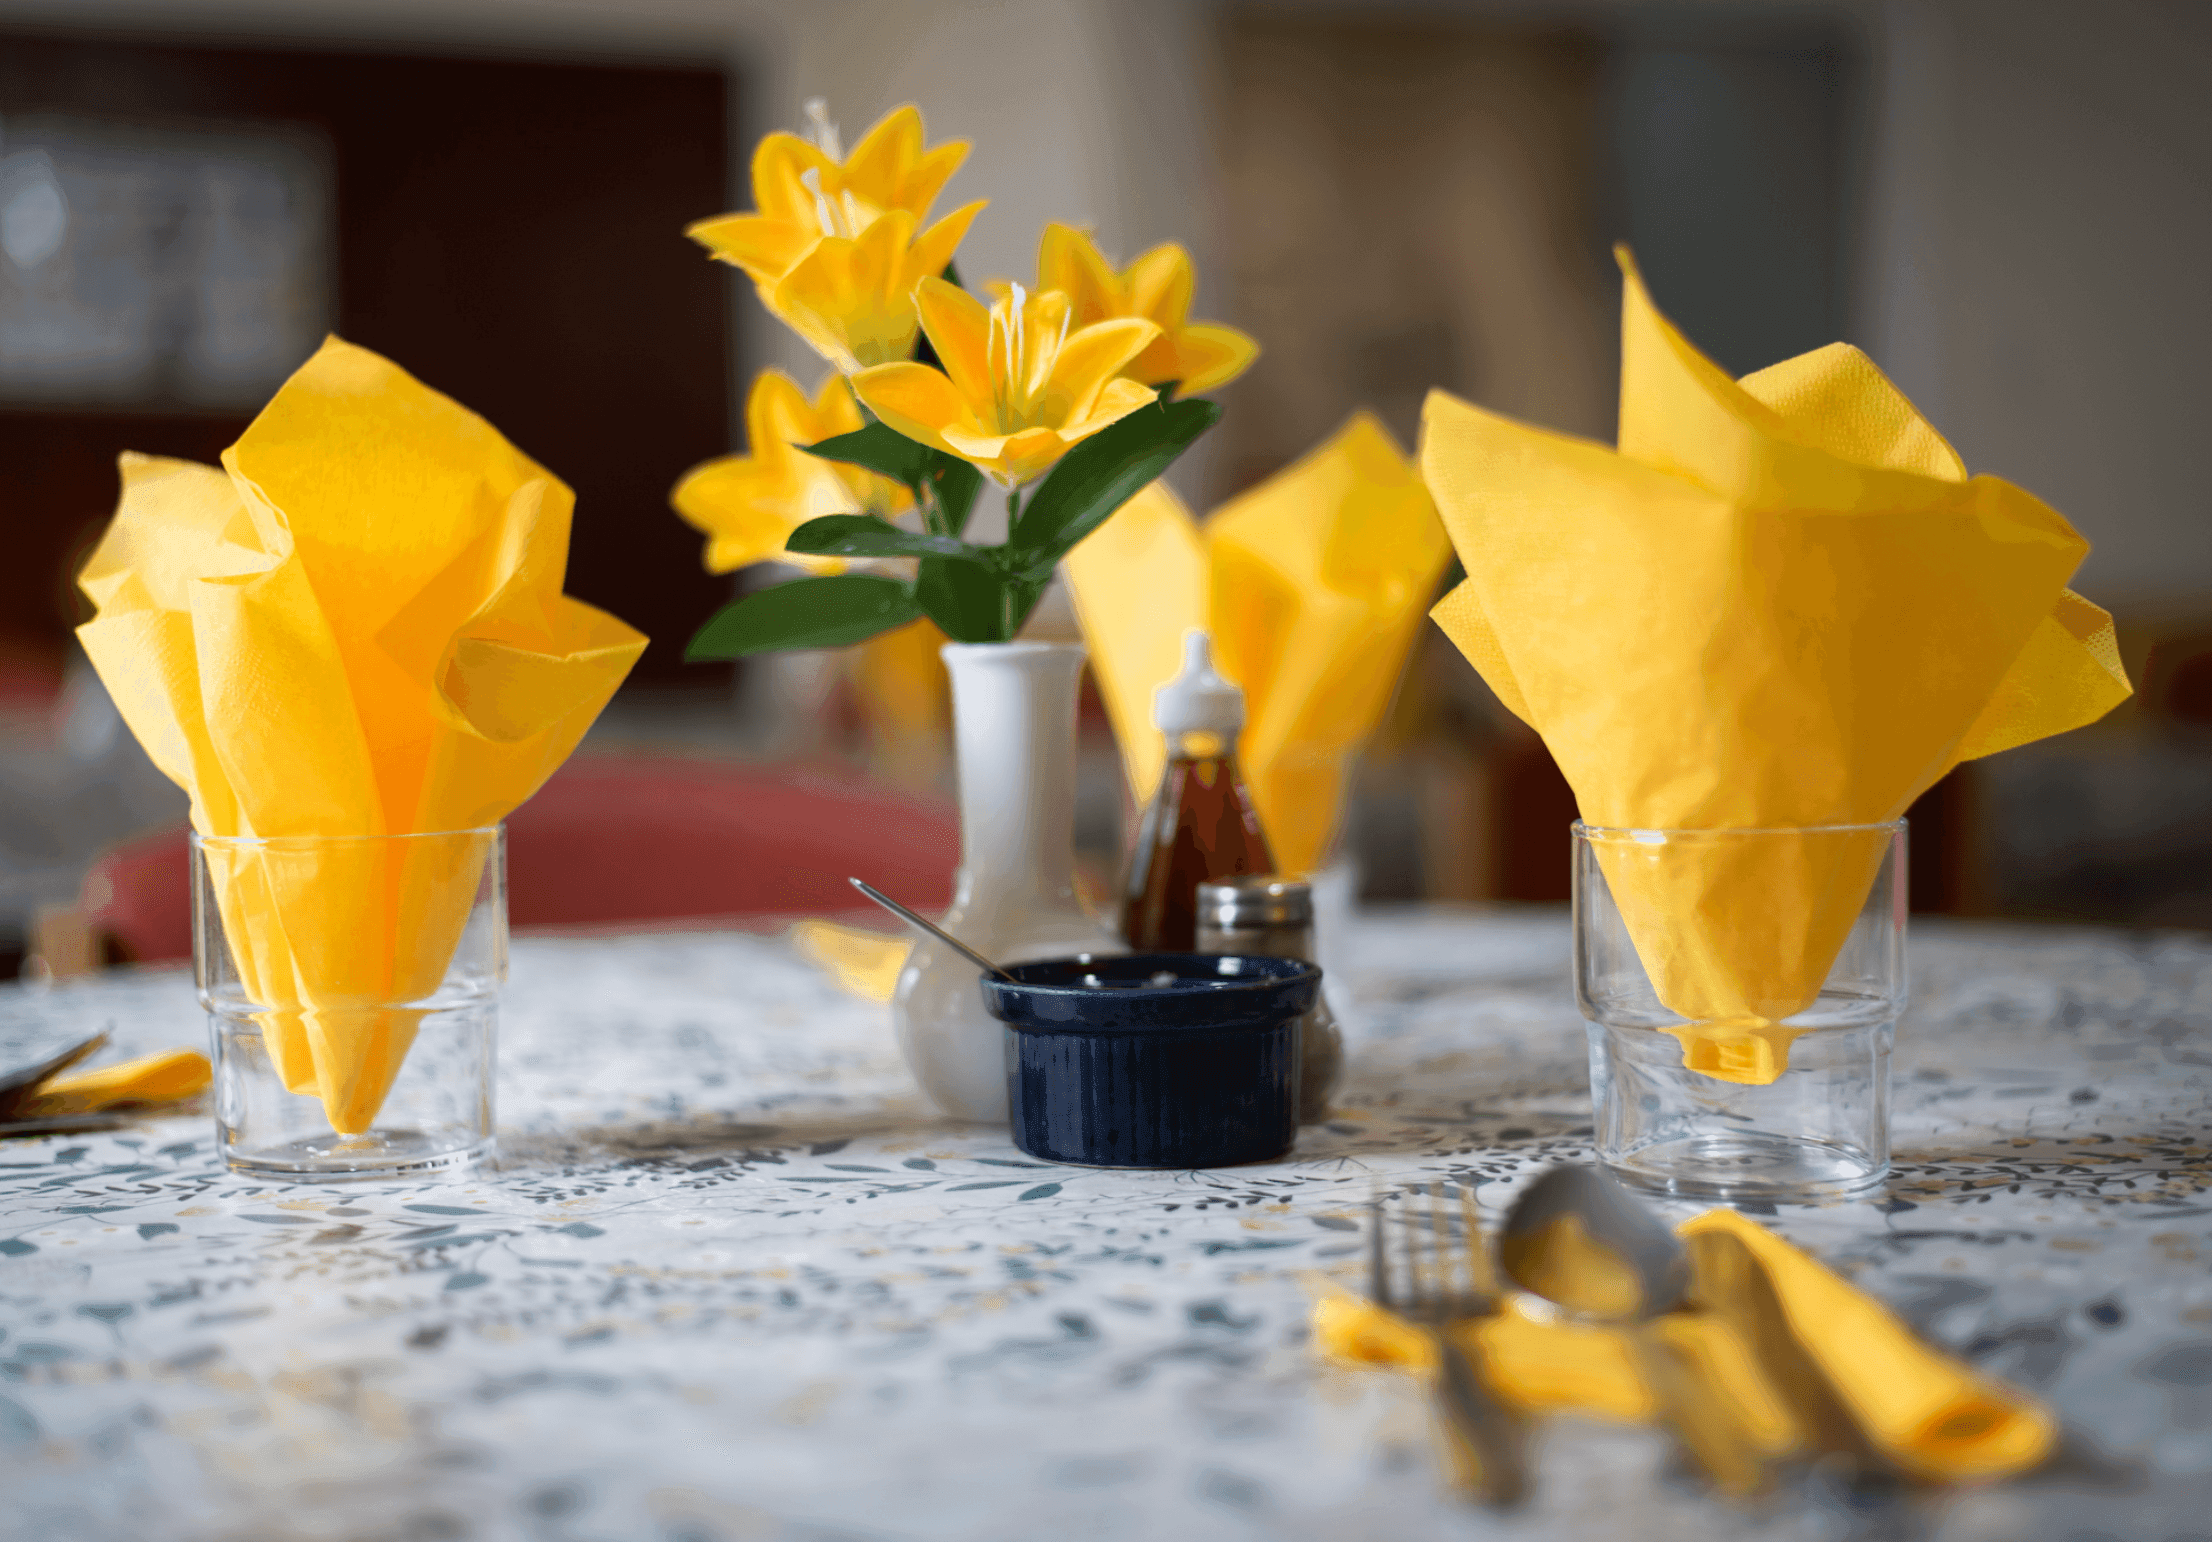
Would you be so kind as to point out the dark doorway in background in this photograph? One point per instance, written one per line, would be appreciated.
(509, 232)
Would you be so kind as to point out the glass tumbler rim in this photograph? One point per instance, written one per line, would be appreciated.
(241, 842)
(1582, 830)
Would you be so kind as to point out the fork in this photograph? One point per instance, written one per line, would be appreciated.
(1484, 1449)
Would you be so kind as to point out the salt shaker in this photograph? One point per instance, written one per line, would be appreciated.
(1267, 916)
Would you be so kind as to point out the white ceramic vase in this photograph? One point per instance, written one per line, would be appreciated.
(1013, 712)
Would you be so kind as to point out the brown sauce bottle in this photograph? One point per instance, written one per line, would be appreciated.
(1201, 824)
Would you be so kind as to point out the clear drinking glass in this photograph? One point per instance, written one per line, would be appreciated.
(352, 991)
(1742, 989)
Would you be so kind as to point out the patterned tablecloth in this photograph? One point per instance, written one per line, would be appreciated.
(730, 1280)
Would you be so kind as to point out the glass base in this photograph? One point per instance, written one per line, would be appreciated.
(436, 1118)
(380, 1153)
(1818, 1131)
(1750, 1166)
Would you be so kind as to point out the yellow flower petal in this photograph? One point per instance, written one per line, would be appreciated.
(1020, 384)
(772, 407)
(1160, 285)
(920, 187)
(1202, 356)
(832, 245)
(749, 504)
(959, 328)
(933, 249)
(844, 299)
(889, 169)
(918, 401)
(1030, 454)
(1090, 358)
(779, 166)
(1116, 401)
(885, 151)
(745, 522)
(1070, 261)
(1045, 316)
(764, 248)
(1157, 287)
(976, 445)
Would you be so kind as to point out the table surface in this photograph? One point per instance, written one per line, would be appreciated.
(730, 1280)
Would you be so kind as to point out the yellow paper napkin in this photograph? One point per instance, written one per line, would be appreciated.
(354, 628)
(863, 962)
(1780, 603)
(1798, 1361)
(169, 1077)
(1313, 583)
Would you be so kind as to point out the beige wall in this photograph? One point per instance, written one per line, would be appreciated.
(2034, 275)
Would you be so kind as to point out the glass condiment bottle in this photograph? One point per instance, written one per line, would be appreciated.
(1272, 917)
(1200, 824)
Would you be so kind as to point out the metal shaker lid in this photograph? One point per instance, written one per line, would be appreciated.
(1255, 900)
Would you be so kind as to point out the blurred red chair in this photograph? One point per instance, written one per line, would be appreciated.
(613, 841)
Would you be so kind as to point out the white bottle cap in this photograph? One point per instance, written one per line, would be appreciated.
(1198, 700)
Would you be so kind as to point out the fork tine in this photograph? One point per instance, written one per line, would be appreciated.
(1439, 1245)
(1378, 1258)
(1420, 1301)
(1470, 1227)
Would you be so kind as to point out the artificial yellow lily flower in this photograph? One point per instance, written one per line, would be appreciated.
(749, 504)
(853, 300)
(803, 191)
(834, 248)
(1021, 386)
(1157, 287)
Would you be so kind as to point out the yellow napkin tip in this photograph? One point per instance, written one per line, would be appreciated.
(170, 1077)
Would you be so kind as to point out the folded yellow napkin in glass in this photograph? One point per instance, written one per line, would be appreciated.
(1799, 1361)
(355, 627)
(1780, 603)
(1313, 584)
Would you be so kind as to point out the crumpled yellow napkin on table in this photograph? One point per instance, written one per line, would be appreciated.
(1800, 1361)
(1313, 584)
(863, 962)
(1780, 603)
(355, 627)
(171, 1076)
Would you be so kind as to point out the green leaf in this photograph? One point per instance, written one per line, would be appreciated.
(865, 535)
(956, 484)
(806, 613)
(881, 449)
(967, 600)
(884, 450)
(1101, 474)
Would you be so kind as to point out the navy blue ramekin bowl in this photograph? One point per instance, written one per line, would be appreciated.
(1154, 1059)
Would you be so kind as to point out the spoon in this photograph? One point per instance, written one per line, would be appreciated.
(934, 930)
(1577, 1239)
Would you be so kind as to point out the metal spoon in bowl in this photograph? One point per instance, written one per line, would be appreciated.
(1577, 1239)
(934, 930)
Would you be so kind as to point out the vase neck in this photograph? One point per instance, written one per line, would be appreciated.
(1014, 732)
